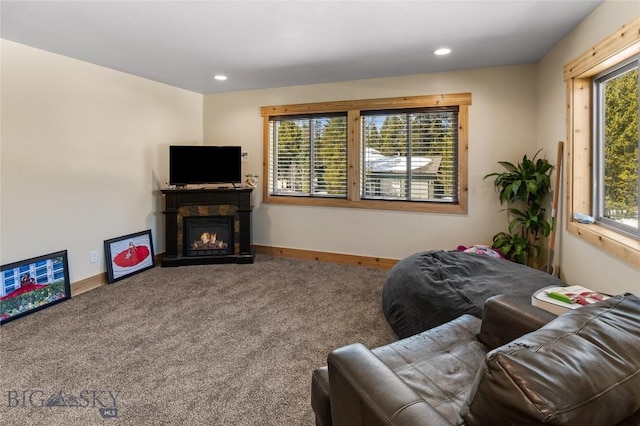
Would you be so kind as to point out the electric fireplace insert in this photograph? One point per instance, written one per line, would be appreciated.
(208, 235)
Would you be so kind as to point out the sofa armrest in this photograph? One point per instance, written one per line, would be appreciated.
(364, 391)
(505, 319)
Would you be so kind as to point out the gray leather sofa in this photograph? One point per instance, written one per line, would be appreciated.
(518, 365)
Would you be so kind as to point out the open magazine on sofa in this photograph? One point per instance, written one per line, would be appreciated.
(558, 300)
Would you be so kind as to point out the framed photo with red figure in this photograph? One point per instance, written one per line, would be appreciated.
(33, 284)
(129, 255)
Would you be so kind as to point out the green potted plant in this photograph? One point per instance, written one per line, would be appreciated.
(524, 187)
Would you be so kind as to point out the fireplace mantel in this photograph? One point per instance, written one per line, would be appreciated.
(180, 203)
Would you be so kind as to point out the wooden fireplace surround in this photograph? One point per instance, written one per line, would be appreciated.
(207, 202)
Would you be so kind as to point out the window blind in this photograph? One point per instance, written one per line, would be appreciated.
(410, 154)
(308, 155)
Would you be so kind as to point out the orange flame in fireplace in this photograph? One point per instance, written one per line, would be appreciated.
(208, 238)
(208, 241)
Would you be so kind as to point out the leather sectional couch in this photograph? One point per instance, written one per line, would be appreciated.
(518, 365)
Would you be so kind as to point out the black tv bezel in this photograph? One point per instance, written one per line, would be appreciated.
(214, 180)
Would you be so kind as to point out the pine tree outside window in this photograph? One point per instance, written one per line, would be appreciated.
(616, 142)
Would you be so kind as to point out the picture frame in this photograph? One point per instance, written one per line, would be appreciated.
(129, 255)
(33, 284)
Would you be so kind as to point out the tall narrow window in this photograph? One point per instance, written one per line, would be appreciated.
(587, 77)
(616, 143)
(410, 154)
(308, 155)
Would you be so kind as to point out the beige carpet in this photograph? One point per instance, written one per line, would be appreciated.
(196, 345)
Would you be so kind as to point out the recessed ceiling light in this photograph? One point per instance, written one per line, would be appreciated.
(220, 77)
(442, 51)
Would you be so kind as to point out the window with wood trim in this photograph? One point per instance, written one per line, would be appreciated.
(586, 144)
(393, 153)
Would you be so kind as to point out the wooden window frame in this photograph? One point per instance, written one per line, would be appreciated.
(578, 76)
(353, 108)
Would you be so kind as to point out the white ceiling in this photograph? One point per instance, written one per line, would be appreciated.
(263, 44)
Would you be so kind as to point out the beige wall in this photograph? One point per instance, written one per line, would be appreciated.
(84, 152)
(581, 263)
(502, 127)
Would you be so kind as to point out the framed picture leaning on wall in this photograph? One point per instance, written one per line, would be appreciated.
(33, 284)
(128, 255)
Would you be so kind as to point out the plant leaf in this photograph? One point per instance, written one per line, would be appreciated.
(507, 165)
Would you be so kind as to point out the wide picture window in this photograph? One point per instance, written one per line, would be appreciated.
(393, 153)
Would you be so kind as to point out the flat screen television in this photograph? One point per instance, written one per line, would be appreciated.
(191, 165)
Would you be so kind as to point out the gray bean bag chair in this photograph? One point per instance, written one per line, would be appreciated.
(430, 288)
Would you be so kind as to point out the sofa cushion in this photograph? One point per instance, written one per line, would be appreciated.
(439, 364)
(581, 368)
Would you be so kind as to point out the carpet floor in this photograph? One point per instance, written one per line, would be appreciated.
(196, 345)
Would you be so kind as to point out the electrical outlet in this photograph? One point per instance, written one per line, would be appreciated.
(245, 157)
(93, 256)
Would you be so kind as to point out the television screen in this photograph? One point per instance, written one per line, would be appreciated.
(190, 165)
